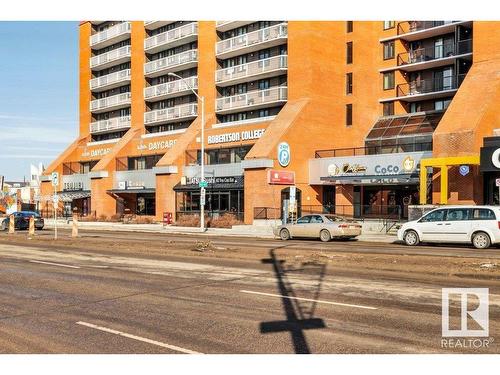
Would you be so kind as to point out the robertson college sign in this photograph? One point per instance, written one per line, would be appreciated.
(245, 135)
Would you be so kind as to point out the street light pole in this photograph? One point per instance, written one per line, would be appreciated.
(202, 161)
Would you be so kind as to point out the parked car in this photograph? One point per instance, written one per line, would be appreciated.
(479, 225)
(22, 220)
(325, 227)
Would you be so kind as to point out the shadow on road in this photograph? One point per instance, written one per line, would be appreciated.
(299, 314)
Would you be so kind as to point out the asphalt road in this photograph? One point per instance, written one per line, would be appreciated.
(63, 300)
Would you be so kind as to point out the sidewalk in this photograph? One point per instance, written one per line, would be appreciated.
(256, 231)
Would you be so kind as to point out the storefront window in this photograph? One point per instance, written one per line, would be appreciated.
(146, 204)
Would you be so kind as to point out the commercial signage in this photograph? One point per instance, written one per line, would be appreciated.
(131, 185)
(366, 169)
(96, 152)
(284, 155)
(244, 135)
(157, 145)
(464, 170)
(212, 180)
(73, 186)
(490, 159)
(275, 177)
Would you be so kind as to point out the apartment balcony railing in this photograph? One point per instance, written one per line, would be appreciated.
(413, 26)
(114, 57)
(435, 52)
(228, 25)
(430, 86)
(257, 98)
(115, 123)
(183, 60)
(268, 36)
(110, 80)
(151, 25)
(111, 35)
(171, 114)
(110, 102)
(262, 68)
(171, 89)
(172, 38)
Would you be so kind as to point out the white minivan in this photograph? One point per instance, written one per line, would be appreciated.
(479, 225)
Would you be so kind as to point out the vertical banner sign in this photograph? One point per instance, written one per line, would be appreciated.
(202, 197)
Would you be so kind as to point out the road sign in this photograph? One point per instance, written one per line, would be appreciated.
(55, 178)
(203, 184)
(202, 197)
(497, 182)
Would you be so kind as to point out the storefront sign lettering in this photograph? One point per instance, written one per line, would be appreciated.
(72, 186)
(160, 145)
(281, 177)
(346, 168)
(244, 135)
(211, 180)
(131, 185)
(96, 152)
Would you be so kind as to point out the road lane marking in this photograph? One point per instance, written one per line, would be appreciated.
(53, 264)
(138, 338)
(311, 300)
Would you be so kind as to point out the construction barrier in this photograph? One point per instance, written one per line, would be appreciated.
(11, 224)
(74, 229)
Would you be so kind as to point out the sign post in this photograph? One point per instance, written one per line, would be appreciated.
(292, 204)
(31, 231)
(12, 222)
(55, 200)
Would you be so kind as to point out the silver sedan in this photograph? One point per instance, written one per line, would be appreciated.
(325, 227)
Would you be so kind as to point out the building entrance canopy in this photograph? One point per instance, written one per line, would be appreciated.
(397, 169)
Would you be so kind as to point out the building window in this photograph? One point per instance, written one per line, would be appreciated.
(388, 81)
(388, 109)
(348, 114)
(348, 83)
(389, 25)
(440, 105)
(389, 50)
(349, 26)
(349, 53)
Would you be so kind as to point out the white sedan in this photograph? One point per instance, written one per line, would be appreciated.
(479, 225)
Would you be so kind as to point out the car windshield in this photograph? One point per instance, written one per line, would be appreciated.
(29, 213)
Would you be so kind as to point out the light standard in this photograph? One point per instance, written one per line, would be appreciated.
(202, 177)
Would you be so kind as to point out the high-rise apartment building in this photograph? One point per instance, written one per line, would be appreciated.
(346, 112)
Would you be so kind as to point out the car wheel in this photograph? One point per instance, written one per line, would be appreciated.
(411, 238)
(481, 240)
(325, 236)
(284, 234)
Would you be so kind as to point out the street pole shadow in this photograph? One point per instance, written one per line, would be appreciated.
(299, 314)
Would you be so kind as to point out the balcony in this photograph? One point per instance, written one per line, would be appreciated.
(415, 30)
(172, 114)
(111, 35)
(152, 25)
(112, 124)
(252, 100)
(252, 41)
(266, 68)
(110, 81)
(111, 58)
(181, 61)
(170, 89)
(223, 26)
(172, 38)
(429, 89)
(435, 56)
(110, 103)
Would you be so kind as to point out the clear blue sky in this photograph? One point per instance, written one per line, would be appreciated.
(38, 93)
